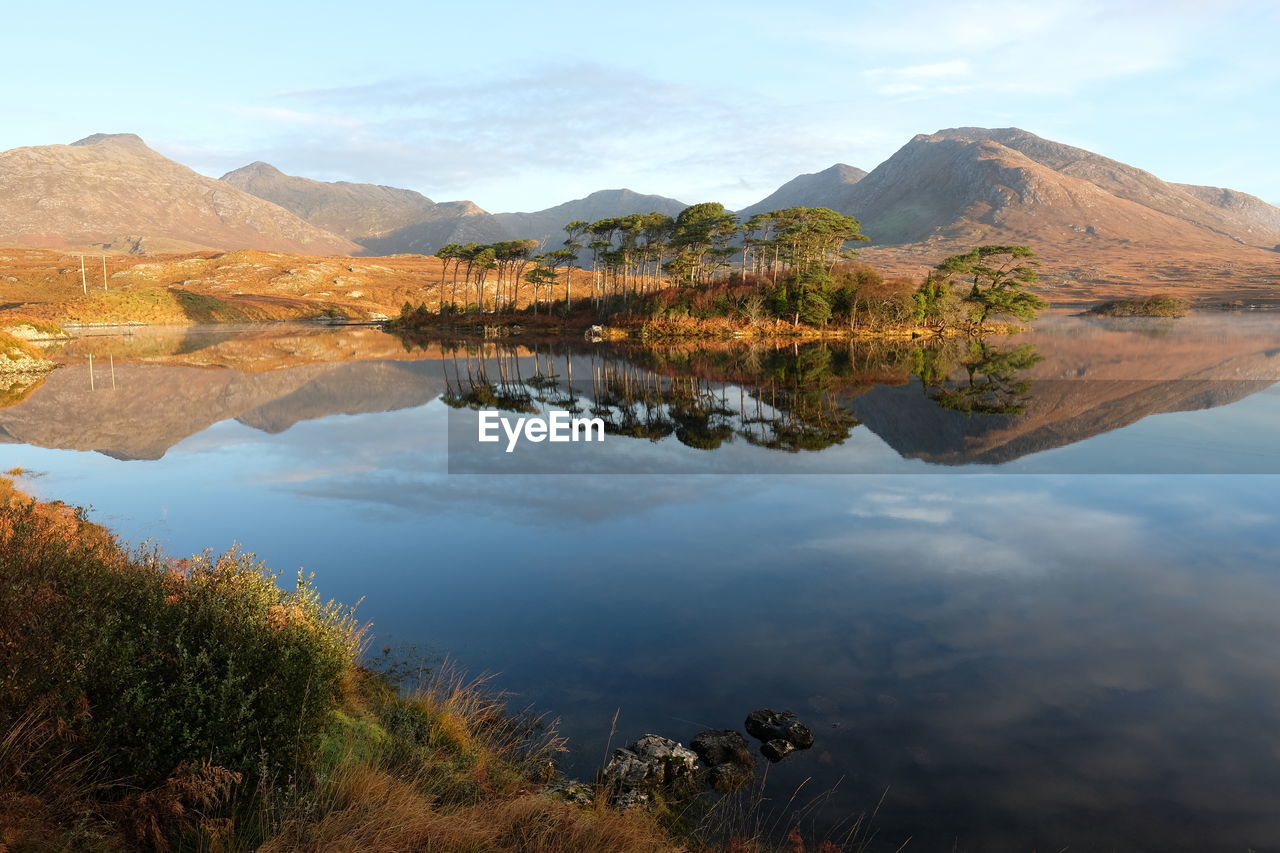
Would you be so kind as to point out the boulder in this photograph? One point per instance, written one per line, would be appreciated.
(769, 726)
(727, 756)
(777, 749)
(650, 762)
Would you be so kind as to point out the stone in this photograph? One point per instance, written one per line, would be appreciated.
(728, 757)
(578, 793)
(650, 762)
(777, 749)
(768, 725)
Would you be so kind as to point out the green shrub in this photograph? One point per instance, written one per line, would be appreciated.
(155, 663)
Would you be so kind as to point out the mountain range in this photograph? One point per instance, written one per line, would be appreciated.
(112, 190)
(954, 188)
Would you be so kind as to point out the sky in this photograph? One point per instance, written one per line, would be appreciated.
(520, 106)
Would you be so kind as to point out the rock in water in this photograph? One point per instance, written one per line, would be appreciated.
(728, 757)
(650, 762)
(777, 749)
(769, 726)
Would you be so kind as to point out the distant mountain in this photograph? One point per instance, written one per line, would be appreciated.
(356, 211)
(819, 189)
(111, 189)
(975, 185)
(548, 225)
(1252, 213)
(383, 220)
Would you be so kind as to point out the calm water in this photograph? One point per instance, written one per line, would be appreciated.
(1014, 654)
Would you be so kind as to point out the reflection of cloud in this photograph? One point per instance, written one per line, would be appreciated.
(1012, 531)
(522, 499)
(902, 507)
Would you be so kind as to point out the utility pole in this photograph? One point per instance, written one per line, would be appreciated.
(104, 272)
(84, 282)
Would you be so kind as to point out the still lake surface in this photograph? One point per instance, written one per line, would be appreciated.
(1027, 598)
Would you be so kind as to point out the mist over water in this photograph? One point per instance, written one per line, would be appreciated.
(1002, 662)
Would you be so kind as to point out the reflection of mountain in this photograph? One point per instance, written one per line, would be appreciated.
(153, 407)
(1062, 412)
(350, 389)
(1093, 380)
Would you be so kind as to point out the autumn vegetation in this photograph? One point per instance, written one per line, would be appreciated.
(706, 274)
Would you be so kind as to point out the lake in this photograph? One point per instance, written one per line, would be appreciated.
(1025, 594)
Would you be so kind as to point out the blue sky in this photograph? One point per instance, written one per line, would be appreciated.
(520, 106)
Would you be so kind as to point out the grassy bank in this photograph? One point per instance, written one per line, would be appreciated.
(148, 703)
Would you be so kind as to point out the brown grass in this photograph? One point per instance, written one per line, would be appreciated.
(241, 286)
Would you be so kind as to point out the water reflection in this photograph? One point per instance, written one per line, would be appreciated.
(1021, 663)
(862, 407)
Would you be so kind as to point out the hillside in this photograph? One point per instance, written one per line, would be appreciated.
(548, 225)
(201, 287)
(1012, 186)
(383, 220)
(1101, 226)
(819, 189)
(112, 190)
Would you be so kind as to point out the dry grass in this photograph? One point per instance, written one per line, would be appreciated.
(243, 286)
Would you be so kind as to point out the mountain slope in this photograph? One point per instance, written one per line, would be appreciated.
(356, 211)
(819, 189)
(384, 220)
(1007, 185)
(113, 189)
(549, 224)
(1251, 212)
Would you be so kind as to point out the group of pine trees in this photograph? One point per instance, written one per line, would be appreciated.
(630, 256)
(781, 264)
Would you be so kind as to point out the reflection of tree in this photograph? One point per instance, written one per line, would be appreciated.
(804, 412)
(786, 402)
(994, 384)
(509, 392)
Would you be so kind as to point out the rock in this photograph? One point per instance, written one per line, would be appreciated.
(730, 777)
(727, 756)
(721, 746)
(650, 762)
(777, 749)
(633, 799)
(771, 726)
(578, 793)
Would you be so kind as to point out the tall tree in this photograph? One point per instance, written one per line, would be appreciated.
(1001, 278)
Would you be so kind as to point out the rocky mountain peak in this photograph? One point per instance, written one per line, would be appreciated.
(129, 140)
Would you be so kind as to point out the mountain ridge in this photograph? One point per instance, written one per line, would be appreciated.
(816, 189)
(113, 190)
